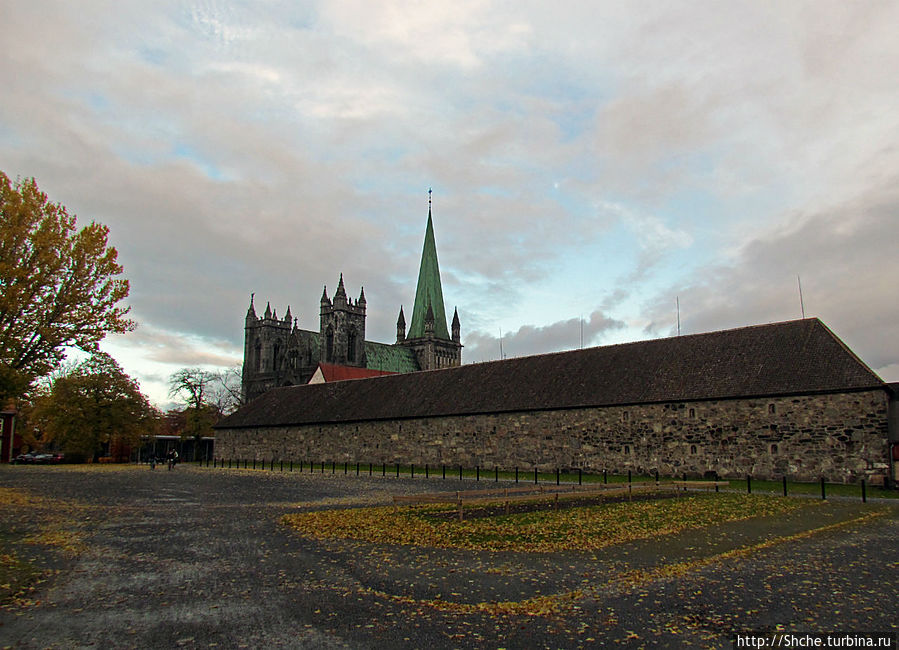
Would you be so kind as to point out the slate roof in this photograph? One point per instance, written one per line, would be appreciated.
(790, 358)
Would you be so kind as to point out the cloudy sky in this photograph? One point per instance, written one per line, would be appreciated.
(592, 163)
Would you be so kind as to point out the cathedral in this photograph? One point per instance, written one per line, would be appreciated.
(278, 353)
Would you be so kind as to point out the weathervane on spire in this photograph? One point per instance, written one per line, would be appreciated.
(429, 197)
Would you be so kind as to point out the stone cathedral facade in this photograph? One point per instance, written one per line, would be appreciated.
(277, 353)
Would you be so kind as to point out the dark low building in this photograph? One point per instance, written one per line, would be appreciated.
(770, 400)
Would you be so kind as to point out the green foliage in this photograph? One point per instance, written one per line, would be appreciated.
(95, 403)
(59, 286)
(202, 392)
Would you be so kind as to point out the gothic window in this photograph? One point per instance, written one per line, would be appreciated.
(771, 408)
(693, 450)
(773, 450)
(692, 413)
(257, 355)
(625, 416)
(276, 357)
(351, 345)
(329, 345)
(627, 449)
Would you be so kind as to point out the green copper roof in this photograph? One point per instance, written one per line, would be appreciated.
(390, 358)
(428, 291)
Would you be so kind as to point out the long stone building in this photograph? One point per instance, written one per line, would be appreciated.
(770, 400)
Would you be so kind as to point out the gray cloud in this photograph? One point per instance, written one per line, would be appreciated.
(847, 263)
(241, 148)
(530, 339)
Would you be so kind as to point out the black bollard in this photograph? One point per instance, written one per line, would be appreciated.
(535, 476)
(516, 475)
(864, 496)
(557, 476)
(605, 476)
(412, 470)
(397, 470)
(495, 474)
(460, 472)
(477, 474)
(748, 484)
(580, 476)
(785, 485)
(823, 496)
(427, 471)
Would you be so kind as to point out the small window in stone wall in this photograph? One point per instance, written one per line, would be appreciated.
(772, 408)
(627, 450)
(773, 449)
(692, 413)
(625, 416)
(692, 450)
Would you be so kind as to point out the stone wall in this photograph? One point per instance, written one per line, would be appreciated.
(842, 437)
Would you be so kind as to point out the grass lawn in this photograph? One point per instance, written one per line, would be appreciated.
(584, 528)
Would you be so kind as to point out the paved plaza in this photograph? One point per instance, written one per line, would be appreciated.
(197, 558)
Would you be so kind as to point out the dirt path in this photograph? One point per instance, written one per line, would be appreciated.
(196, 558)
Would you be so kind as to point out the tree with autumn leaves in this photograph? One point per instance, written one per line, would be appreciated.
(89, 409)
(60, 286)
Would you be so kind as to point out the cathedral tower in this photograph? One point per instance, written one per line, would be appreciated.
(265, 345)
(342, 331)
(428, 335)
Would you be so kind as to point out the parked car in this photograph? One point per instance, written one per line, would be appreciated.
(36, 458)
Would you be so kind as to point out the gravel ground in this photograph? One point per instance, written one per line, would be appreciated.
(196, 558)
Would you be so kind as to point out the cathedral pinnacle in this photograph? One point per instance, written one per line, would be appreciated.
(340, 294)
(429, 291)
(401, 327)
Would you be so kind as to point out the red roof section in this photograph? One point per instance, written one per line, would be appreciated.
(333, 372)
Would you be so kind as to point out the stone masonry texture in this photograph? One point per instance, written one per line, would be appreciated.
(839, 436)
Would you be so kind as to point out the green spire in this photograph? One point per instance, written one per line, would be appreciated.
(428, 293)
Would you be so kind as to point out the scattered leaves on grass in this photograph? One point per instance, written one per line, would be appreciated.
(580, 528)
